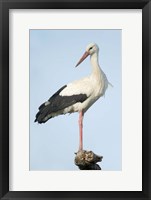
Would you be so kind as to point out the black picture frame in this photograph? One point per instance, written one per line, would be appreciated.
(5, 5)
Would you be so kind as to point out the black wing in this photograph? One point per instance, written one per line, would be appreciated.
(57, 103)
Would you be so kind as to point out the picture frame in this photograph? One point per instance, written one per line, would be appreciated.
(4, 100)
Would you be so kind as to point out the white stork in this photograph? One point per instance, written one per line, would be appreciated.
(77, 96)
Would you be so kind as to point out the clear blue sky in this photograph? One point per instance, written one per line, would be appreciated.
(53, 56)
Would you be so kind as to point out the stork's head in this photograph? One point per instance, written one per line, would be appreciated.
(90, 50)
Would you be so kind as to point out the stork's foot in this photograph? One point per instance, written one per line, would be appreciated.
(86, 160)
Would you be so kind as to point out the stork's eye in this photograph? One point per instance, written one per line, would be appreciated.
(90, 48)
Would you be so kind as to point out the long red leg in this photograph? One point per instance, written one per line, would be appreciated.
(81, 130)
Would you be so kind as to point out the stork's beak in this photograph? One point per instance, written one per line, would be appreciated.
(86, 54)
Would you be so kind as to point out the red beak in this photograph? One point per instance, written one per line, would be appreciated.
(86, 54)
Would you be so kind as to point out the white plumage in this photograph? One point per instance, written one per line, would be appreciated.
(94, 86)
(79, 95)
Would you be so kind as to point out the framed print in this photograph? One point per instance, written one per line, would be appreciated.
(46, 154)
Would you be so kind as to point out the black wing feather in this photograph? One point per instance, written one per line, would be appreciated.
(56, 103)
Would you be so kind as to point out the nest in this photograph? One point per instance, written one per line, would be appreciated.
(86, 160)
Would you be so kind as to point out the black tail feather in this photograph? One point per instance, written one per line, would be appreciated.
(44, 109)
(42, 115)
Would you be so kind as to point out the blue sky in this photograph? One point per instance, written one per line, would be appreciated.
(53, 56)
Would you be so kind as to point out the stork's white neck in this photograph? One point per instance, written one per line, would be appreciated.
(97, 76)
(96, 70)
